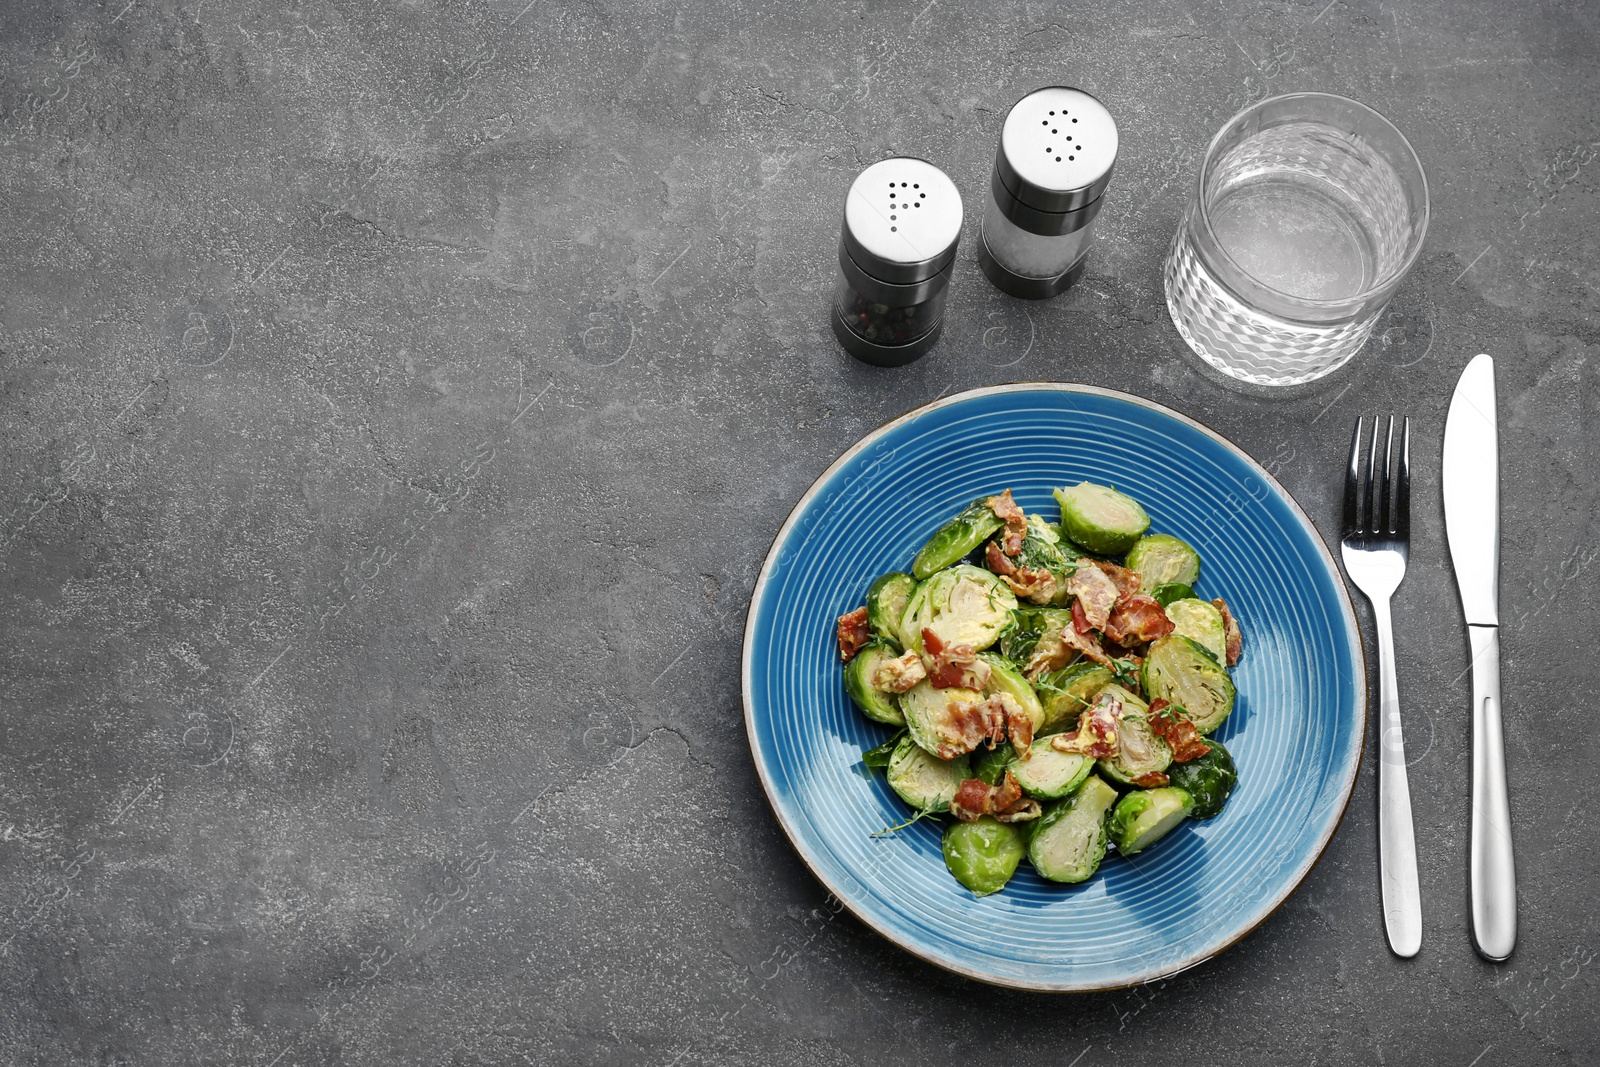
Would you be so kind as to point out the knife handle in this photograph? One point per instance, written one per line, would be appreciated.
(1397, 845)
(1494, 875)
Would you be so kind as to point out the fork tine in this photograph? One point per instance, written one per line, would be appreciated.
(1369, 507)
(1352, 485)
(1381, 517)
(1402, 488)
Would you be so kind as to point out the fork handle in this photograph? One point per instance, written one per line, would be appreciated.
(1494, 873)
(1397, 845)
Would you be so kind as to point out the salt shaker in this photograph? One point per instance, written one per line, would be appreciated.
(902, 220)
(1056, 152)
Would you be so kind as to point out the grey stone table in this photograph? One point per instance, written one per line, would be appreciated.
(398, 400)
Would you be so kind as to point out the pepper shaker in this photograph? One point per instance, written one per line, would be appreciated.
(902, 220)
(1056, 152)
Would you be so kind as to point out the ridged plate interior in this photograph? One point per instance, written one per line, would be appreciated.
(1296, 731)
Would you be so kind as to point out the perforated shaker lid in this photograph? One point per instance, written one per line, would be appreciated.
(902, 219)
(1057, 149)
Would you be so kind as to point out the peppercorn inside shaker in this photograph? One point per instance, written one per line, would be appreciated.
(902, 220)
(1056, 152)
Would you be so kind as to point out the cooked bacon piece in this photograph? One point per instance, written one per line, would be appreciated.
(1019, 727)
(899, 674)
(1096, 592)
(957, 667)
(1096, 734)
(1080, 621)
(970, 724)
(1006, 510)
(1138, 619)
(1057, 648)
(1035, 584)
(1151, 780)
(1231, 628)
(1126, 581)
(976, 798)
(1178, 732)
(853, 633)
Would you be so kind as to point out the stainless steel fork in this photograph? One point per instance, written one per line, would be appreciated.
(1375, 543)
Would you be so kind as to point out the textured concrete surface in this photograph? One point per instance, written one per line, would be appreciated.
(398, 399)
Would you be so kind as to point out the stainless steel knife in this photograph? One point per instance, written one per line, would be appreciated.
(1471, 478)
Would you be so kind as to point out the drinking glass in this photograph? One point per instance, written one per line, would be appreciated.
(1308, 211)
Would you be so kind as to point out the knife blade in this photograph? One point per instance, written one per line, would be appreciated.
(1470, 476)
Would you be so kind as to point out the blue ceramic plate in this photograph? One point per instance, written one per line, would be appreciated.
(1296, 731)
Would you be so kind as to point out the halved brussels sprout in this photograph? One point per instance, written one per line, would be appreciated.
(1005, 678)
(886, 602)
(1066, 692)
(1042, 551)
(956, 538)
(1167, 593)
(1145, 816)
(874, 703)
(1201, 622)
(1050, 775)
(983, 855)
(1162, 559)
(926, 782)
(1101, 519)
(963, 605)
(1028, 625)
(1181, 671)
(1067, 842)
(1139, 750)
(931, 713)
(1208, 779)
(989, 765)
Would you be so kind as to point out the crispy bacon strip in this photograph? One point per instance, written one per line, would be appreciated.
(853, 633)
(1096, 593)
(1096, 734)
(1057, 648)
(1126, 581)
(1136, 620)
(1178, 732)
(1036, 584)
(899, 674)
(1007, 511)
(1230, 627)
(1151, 779)
(971, 724)
(1019, 727)
(976, 798)
(956, 667)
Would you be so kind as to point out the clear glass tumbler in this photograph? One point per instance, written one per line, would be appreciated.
(1308, 211)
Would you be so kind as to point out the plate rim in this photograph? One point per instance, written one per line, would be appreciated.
(871, 922)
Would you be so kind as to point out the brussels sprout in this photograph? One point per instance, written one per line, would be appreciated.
(1181, 671)
(874, 703)
(1208, 779)
(878, 756)
(1067, 842)
(1028, 625)
(983, 855)
(1139, 750)
(964, 605)
(886, 602)
(1201, 622)
(1066, 692)
(956, 538)
(1170, 591)
(1050, 775)
(1162, 559)
(931, 714)
(1145, 816)
(989, 765)
(1005, 678)
(1042, 551)
(926, 782)
(1101, 519)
